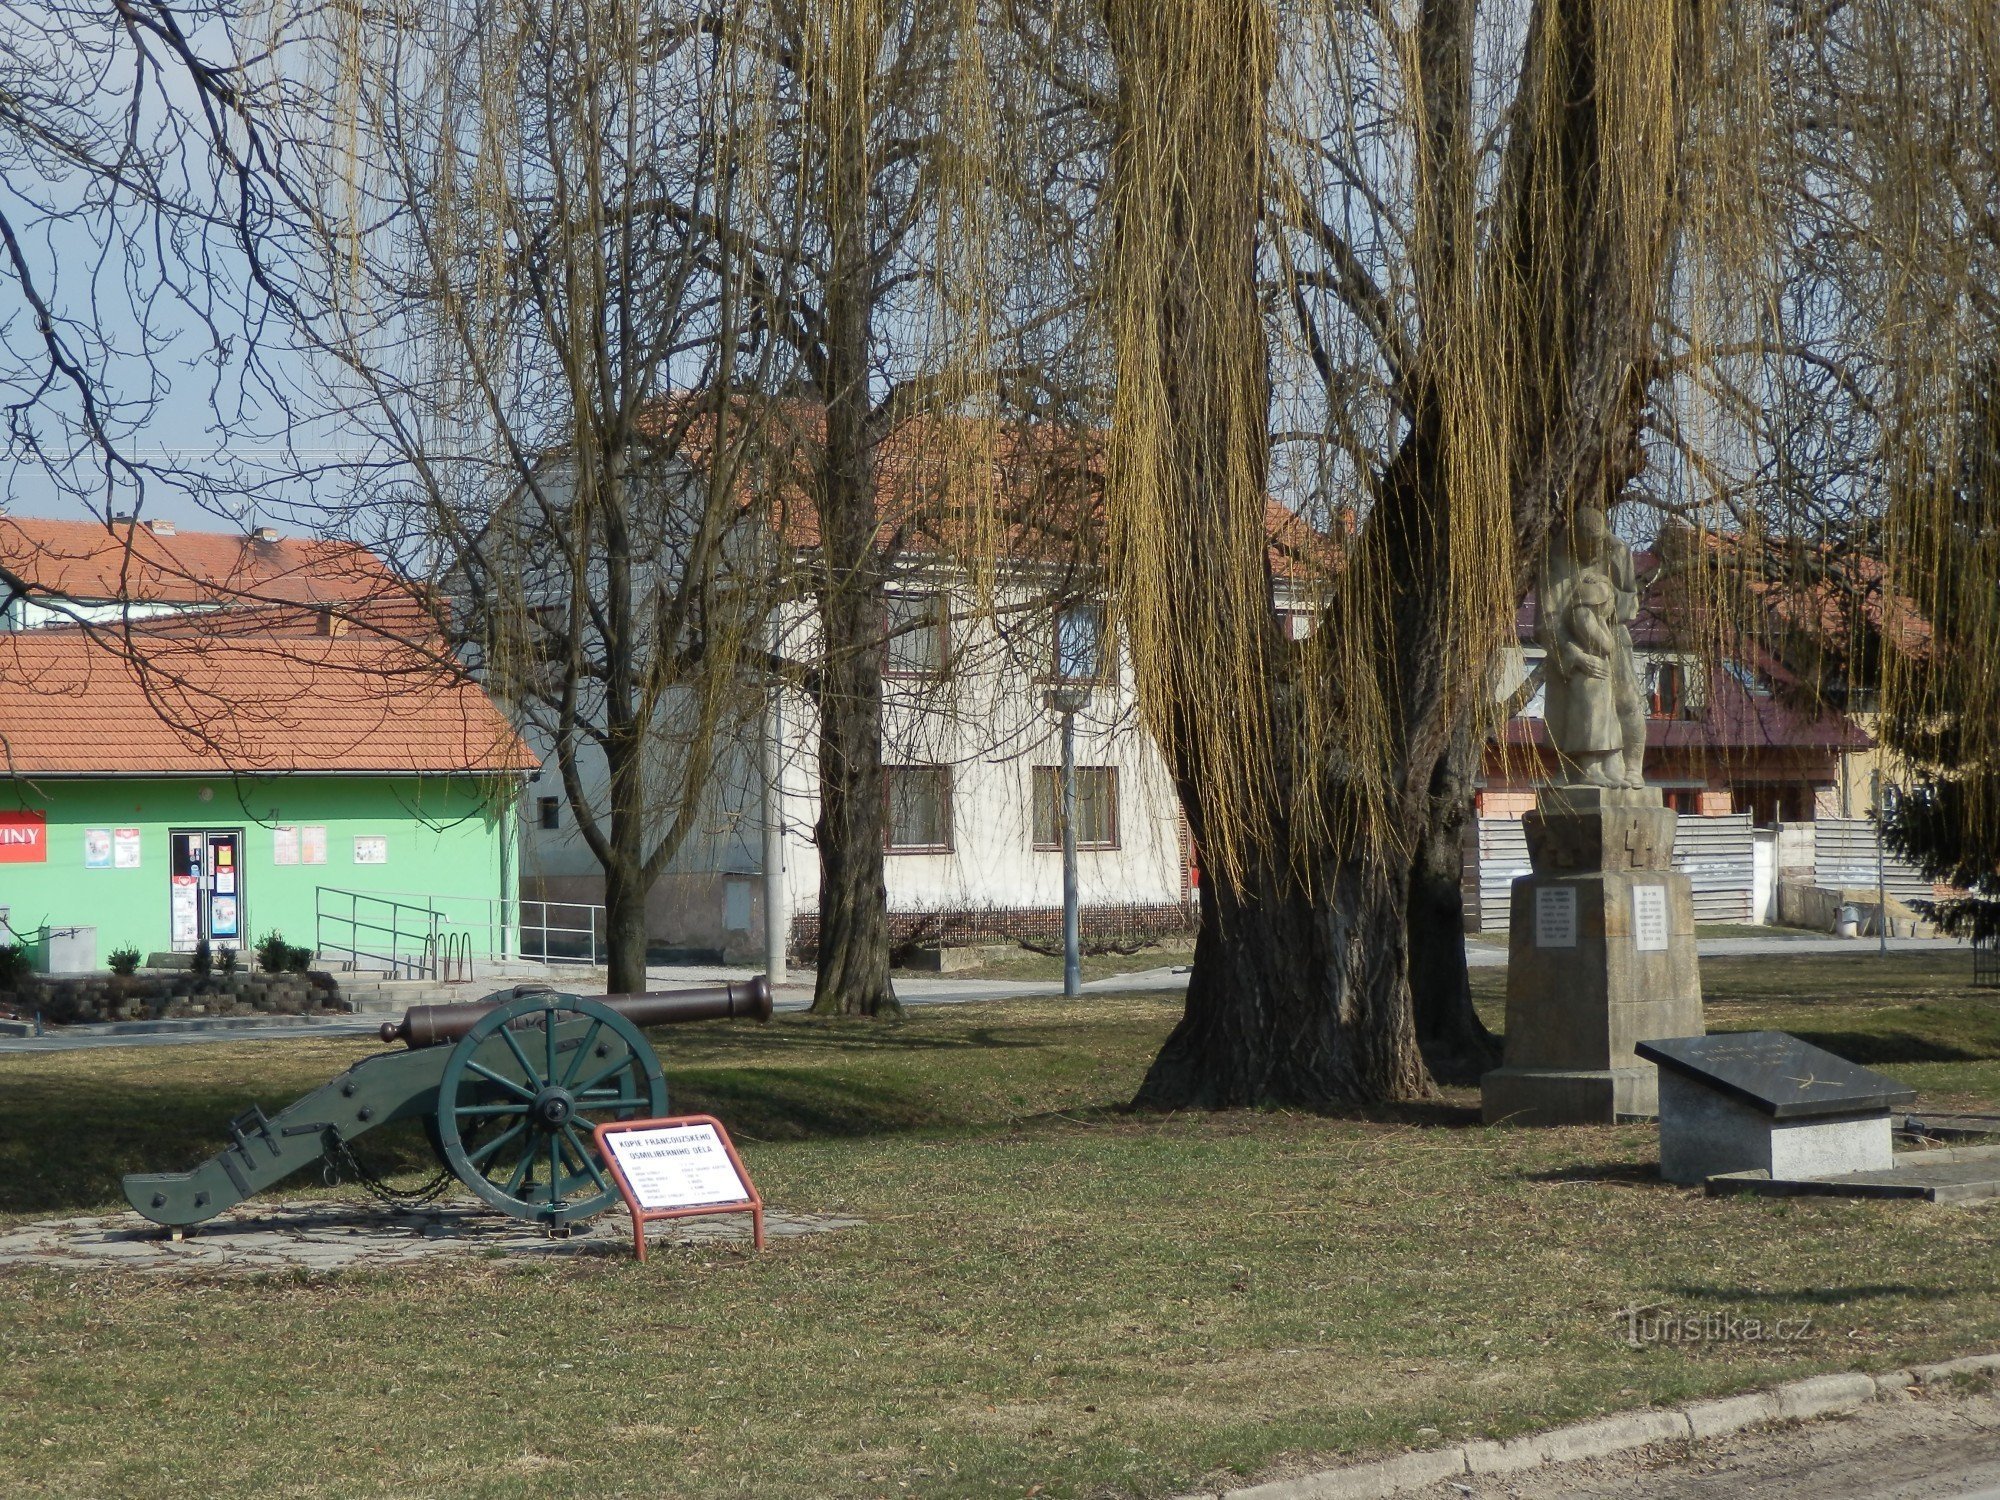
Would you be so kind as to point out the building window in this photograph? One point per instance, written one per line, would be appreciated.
(919, 635)
(1749, 678)
(918, 819)
(1079, 644)
(1667, 696)
(1096, 807)
(1295, 624)
(550, 810)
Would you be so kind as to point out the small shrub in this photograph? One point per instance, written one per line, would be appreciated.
(125, 961)
(298, 960)
(204, 959)
(273, 952)
(225, 959)
(14, 966)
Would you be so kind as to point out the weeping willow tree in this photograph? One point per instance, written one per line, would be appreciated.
(1530, 235)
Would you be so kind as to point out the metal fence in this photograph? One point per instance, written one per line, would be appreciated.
(1716, 855)
(1844, 851)
(409, 935)
(1986, 963)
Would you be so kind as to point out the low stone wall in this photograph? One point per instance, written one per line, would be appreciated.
(77, 998)
(1102, 928)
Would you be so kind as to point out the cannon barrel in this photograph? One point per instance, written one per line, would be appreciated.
(432, 1025)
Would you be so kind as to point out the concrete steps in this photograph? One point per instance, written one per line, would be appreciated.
(372, 992)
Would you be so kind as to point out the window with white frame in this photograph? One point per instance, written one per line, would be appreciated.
(918, 635)
(1096, 807)
(918, 819)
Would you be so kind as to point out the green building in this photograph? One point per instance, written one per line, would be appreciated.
(205, 779)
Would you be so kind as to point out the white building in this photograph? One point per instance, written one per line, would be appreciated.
(972, 757)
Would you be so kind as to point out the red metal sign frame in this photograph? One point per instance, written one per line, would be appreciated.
(641, 1216)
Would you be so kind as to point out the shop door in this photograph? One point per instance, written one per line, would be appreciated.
(206, 869)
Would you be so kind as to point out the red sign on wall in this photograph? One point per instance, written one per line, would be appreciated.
(24, 838)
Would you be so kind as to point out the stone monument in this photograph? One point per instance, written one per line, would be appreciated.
(1767, 1102)
(1601, 952)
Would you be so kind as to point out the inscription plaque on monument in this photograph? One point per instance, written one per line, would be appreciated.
(1649, 918)
(1555, 917)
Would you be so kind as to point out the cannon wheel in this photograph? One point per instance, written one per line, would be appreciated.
(516, 1104)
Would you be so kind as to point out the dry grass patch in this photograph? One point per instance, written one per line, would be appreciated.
(1046, 1292)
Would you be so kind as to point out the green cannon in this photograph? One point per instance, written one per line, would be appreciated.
(509, 1089)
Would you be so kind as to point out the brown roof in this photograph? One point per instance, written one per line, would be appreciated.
(940, 480)
(73, 703)
(93, 561)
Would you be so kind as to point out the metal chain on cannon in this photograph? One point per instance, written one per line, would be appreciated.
(338, 1156)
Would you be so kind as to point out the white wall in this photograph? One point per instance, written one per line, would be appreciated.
(985, 720)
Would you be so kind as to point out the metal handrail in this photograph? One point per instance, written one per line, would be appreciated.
(420, 936)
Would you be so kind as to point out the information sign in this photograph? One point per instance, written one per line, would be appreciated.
(186, 916)
(125, 846)
(285, 844)
(677, 1168)
(97, 848)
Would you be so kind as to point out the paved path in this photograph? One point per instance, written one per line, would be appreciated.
(1935, 1446)
(338, 1235)
(796, 993)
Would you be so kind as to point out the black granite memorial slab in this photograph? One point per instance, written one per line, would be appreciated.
(1778, 1074)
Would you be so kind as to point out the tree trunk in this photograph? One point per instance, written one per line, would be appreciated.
(853, 974)
(1457, 1046)
(624, 932)
(1297, 998)
(625, 883)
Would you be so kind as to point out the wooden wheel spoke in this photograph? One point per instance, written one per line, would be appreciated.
(474, 1065)
(523, 1173)
(520, 1056)
(597, 1079)
(493, 1109)
(478, 1158)
(582, 1050)
(583, 1155)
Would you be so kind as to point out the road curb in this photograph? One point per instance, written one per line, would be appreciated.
(1795, 1401)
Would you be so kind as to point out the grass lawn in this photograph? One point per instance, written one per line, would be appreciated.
(1049, 1297)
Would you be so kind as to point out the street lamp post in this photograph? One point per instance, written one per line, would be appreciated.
(1068, 702)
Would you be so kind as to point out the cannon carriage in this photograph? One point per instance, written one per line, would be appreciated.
(508, 1090)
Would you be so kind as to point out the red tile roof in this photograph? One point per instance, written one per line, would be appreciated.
(939, 480)
(73, 703)
(93, 561)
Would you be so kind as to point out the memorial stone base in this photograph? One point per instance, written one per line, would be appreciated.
(1601, 956)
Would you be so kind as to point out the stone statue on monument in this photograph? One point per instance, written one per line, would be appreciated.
(1586, 596)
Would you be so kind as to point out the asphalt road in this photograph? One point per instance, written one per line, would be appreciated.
(796, 994)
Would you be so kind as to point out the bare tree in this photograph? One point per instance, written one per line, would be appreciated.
(507, 236)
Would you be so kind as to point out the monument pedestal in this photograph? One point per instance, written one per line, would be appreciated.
(1601, 956)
